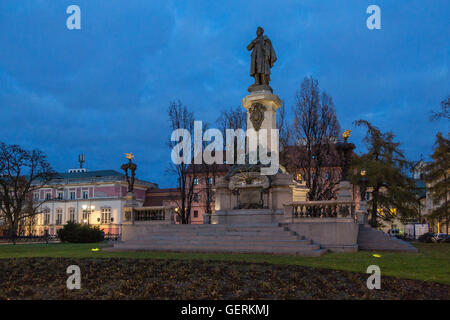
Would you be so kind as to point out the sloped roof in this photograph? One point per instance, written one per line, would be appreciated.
(88, 174)
(95, 176)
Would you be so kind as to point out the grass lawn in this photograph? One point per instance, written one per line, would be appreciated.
(432, 263)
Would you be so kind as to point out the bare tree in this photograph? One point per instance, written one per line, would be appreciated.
(181, 118)
(285, 130)
(22, 173)
(445, 111)
(232, 119)
(315, 130)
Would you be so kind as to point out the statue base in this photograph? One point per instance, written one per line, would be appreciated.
(129, 205)
(259, 87)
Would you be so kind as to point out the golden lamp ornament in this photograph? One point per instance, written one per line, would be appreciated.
(346, 134)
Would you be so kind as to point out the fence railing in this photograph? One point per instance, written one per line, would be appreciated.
(112, 236)
(149, 214)
(320, 209)
(43, 238)
(157, 214)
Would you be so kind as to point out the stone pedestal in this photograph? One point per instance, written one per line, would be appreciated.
(231, 206)
(261, 109)
(130, 204)
(245, 195)
(362, 216)
(345, 191)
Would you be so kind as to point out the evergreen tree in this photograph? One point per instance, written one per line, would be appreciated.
(437, 175)
(385, 171)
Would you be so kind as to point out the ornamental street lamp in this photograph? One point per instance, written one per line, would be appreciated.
(345, 150)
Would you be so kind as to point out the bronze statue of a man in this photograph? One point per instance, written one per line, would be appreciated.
(263, 58)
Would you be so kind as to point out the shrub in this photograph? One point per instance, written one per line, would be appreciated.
(80, 233)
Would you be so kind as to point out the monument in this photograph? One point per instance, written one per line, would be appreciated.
(245, 195)
(130, 197)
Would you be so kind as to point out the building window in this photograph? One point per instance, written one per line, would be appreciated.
(58, 216)
(36, 196)
(60, 195)
(72, 214)
(327, 175)
(85, 194)
(85, 216)
(195, 181)
(72, 195)
(210, 196)
(210, 180)
(195, 197)
(46, 216)
(195, 214)
(177, 218)
(299, 177)
(48, 196)
(106, 215)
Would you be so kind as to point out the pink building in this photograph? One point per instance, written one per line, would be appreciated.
(93, 197)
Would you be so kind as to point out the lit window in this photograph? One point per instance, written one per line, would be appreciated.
(72, 214)
(106, 215)
(299, 177)
(210, 180)
(85, 215)
(195, 181)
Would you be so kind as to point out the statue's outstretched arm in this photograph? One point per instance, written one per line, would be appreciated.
(251, 45)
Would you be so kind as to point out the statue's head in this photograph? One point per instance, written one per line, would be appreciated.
(259, 31)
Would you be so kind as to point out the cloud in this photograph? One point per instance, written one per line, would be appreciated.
(104, 90)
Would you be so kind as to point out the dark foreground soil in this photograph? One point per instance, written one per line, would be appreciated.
(45, 278)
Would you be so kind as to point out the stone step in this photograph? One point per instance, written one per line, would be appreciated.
(225, 236)
(213, 230)
(218, 234)
(372, 239)
(223, 242)
(311, 250)
(273, 238)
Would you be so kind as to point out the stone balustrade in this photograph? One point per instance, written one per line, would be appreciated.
(296, 210)
(154, 214)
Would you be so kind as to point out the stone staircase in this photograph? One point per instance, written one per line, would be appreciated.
(273, 239)
(372, 239)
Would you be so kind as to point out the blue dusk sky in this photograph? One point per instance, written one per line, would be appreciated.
(104, 90)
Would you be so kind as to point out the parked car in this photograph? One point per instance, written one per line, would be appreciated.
(427, 237)
(394, 232)
(440, 237)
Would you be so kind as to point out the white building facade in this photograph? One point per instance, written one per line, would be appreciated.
(95, 198)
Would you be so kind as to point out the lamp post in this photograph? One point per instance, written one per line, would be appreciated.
(345, 150)
(88, 212)
(363, 184)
